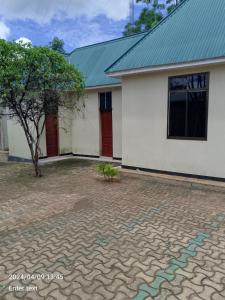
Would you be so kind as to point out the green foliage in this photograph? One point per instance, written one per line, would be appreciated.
(156, 4)
(57, 45)
(36, 81)
(151, 15)
(37, 74)
(147, 20)
(172, 4)
(107, 170)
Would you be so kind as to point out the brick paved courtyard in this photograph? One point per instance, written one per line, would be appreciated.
(70, 236)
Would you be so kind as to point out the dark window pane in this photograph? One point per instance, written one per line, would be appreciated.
(197, 111)
(197, 81)
(102, 101)
(177, 114)
(188, 108)
(178, 83)
(108, 101)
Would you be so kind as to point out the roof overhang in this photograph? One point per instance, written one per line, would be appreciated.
(193, 64)
(102, 87)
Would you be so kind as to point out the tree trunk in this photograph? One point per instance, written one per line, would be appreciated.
(33, 145)
(36, 160)
(37, 168)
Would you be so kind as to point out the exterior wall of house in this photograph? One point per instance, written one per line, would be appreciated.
(18, 147)
(65, 132)
(117, 122)
(144, 134)
(3, 129)
(79, 133)
(86, 129)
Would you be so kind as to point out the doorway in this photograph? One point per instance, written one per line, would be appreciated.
(106, 124)
(52, 143)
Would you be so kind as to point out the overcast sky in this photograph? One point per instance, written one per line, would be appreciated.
(77, 22)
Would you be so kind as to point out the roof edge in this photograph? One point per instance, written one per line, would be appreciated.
(109, 41)
(157, 68)
(126, 52)
(103, 86)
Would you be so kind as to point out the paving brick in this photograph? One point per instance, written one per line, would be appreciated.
(136, 239)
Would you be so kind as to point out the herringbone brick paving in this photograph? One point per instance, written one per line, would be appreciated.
(141, 238)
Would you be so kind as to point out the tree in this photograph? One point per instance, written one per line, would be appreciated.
(57, 45)
(172, 4)
(146, 21)
(35, 82)
(149, 17)
(156, 5)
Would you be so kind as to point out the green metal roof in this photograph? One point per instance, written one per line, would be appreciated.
(194, 31)
(94, 59)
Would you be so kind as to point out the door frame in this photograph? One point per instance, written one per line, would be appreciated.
(100, 121)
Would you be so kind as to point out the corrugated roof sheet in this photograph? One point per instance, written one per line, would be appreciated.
(194, 31)
(94, 59)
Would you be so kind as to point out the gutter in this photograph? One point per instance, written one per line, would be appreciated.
(103, 87)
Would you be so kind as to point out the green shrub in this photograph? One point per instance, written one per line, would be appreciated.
(107, 170)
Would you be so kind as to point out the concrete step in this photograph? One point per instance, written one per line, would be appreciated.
(4, 155)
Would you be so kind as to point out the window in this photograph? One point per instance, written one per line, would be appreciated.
(105, 102)
(188, 106)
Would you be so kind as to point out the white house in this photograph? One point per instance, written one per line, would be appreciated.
(154, 100)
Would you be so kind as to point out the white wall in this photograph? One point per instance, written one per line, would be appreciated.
(117, 122)
(86, 129)
(79, 133)
(65, 131)
(144, 134)
(3, 129)
(18, 147)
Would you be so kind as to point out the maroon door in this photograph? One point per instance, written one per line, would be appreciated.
(107, 137)
(52, 135)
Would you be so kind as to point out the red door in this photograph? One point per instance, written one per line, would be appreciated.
(107, 137)
(52, 135)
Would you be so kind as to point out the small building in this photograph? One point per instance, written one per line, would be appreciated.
(156, 100)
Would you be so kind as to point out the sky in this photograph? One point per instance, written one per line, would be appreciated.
(77, 22)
